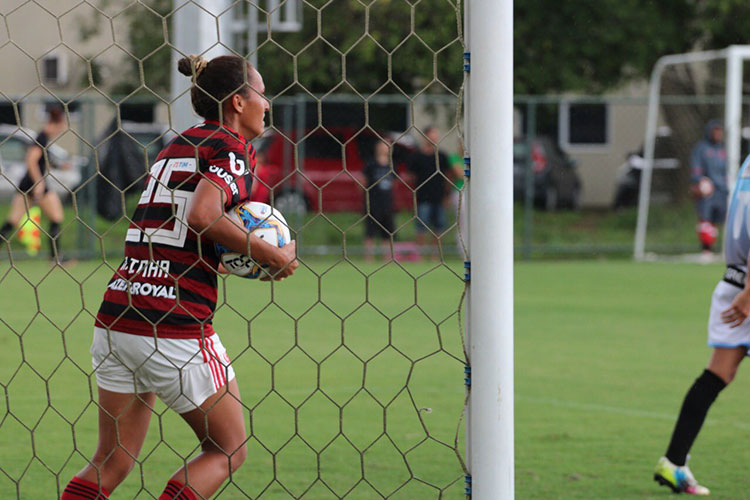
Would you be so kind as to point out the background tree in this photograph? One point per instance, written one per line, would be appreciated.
(584, 46)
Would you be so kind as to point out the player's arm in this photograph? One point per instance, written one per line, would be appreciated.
(698, 173)
(206, 217)
(736, 314)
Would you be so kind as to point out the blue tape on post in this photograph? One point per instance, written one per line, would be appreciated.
(467, 376)
(467, 481)
(467, 166)
(467, 62)
(467, 270)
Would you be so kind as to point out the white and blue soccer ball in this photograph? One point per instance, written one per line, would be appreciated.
(264, 222)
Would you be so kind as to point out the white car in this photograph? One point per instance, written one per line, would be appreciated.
(64, 175)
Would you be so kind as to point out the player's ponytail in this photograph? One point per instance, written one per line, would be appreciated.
(214, 81)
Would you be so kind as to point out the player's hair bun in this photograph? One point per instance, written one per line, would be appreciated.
(210, 87)
(186, 65)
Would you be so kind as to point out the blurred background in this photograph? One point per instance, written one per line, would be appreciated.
(581, 102)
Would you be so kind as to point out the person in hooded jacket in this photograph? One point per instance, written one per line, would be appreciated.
(709, 183)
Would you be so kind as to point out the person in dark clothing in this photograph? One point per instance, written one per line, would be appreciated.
(431, 169)
(709, 183)
(379, 199)
(33, 187)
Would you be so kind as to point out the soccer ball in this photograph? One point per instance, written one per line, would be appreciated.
(262, 221)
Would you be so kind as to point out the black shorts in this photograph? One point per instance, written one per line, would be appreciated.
(379, 223)
(26, 185)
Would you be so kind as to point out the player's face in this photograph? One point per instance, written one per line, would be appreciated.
(718, 134)
(254, 107)
(381, 150)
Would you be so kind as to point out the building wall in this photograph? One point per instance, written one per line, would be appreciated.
(63, 28)
(598, 167)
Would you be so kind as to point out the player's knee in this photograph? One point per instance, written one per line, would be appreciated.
(238, 458)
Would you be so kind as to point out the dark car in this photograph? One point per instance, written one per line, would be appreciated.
(556, 181)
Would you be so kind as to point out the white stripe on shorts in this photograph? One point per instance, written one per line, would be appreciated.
(217, 363)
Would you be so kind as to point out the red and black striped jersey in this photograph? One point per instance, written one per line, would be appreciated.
(166, 284)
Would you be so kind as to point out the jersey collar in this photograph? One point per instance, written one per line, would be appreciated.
(223, 126)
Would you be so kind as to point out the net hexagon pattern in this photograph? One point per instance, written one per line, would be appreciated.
(351, 371)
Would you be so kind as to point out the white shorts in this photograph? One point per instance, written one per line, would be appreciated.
(181, 372)
(720, 334)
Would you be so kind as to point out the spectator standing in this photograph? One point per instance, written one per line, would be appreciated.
(709, 183)
(430, 167)
(379, 180)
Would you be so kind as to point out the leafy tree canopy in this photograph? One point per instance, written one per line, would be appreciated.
(580, 45)
(409, 46)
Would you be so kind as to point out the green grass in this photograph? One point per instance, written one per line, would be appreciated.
(544, 234)
(376, 384)
(605, 352)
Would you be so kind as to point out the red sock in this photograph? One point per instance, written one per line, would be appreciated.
(175, 490)
(80, 489)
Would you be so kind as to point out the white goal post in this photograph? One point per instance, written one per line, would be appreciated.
(735, 56)
(489, 134)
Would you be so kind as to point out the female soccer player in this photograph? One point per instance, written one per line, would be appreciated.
(728, 334)
(33, 187)
(153, 334)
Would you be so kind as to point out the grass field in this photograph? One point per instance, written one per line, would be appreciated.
(605, 351)
(580, 233)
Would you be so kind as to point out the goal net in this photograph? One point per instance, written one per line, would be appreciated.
(696, 127)
(352, 370)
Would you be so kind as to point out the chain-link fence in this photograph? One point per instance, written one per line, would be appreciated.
(577, 168)
(578, 164)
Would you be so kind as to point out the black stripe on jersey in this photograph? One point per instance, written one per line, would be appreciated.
(151, 316)
(153, 212)
(216, 126)
(238, 195)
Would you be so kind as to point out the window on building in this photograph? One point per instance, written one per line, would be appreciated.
(584, 125)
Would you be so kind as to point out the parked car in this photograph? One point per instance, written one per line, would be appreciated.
(556, 180)
(330, 175)
(14, 141)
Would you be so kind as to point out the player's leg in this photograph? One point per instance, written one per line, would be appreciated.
(672, 469)
(220, 426)
(123, 423)
(423, 217)
(53, 209)
(720, 372)
(438, 225)
(18, 206)
(370, 229)
(387, 233)
(703, 228)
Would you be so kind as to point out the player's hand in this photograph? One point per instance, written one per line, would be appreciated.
(287, 263)
(736, 314)
(702, 189)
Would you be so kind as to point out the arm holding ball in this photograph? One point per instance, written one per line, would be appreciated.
(206, 217)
